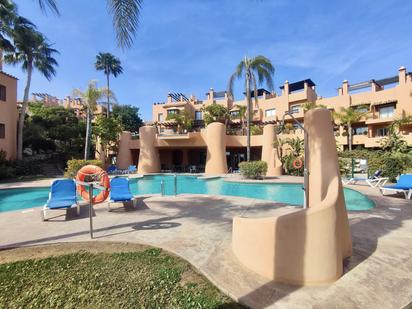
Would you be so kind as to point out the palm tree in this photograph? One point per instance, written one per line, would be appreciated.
(109, 64)
(8, 14)
(126, 14)
(312, 105)
(242, 115)
(348, 116)
(89, 98)
(33, 51)
(249, 68)
(9, 19)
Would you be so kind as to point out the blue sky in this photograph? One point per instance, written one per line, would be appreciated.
(190, 46)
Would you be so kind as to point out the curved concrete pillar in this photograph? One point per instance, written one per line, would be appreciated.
(149, 161)
(270, 153)
(307, 246)
(124, 155)
(216, 149)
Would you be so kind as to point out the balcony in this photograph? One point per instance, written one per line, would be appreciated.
(175, 105)
(374, 141)
(171, 135)
(377, 120)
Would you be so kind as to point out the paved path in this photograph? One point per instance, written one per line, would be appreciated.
(198, 228)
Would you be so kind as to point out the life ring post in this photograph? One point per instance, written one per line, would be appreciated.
(91, 210)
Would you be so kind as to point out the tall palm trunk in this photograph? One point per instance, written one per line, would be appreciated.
(88, 134)
(350, 136)
(23, 112)
(248, 116)
(108, 95)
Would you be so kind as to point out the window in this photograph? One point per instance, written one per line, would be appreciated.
(270, 112)
(3, 96)
(386, 111)
(362, 109)
(172, 111)
(198, 115)
(360, 131)
(296, 126)
(234, 114)
(2, 130)
(160, 117)
(382, 132)
(295, 109)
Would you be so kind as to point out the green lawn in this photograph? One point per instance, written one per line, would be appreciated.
(149, 278)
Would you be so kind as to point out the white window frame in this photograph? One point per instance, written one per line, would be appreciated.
(295, 106)
(199, 113)
(270, 112)
(378, 130)
(386, 114)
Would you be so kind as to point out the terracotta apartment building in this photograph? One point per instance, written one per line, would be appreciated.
(8, 114)
(384, 100)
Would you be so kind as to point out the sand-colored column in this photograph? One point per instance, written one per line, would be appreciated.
(149, 161)
(216, 149)
(270, 152)
(124, 155)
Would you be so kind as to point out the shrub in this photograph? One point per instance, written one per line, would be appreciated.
(256, 130)
(12, 169)
(392, 164)
(25, 168)
(74, 165)
(253, 169)
(287, 163)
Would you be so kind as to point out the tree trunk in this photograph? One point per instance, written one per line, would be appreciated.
(108, 96)
(248, 116)
(350, 136)
(23, 112)
(88, 134)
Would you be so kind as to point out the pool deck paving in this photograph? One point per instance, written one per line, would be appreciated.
(198, 228)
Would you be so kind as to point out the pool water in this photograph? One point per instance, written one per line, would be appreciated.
(13, 199)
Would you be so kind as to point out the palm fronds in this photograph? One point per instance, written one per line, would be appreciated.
(49, 5)
(126, 15)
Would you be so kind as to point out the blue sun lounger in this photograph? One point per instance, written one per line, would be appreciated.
(119, 191)
(404, 185)
(374, 181)
(62, 196)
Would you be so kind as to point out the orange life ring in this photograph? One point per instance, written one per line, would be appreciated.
(297, 163)
(95, 172)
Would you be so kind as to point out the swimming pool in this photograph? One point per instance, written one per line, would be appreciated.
(13, 199)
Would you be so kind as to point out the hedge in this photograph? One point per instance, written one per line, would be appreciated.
(74, 165)
(253, 169)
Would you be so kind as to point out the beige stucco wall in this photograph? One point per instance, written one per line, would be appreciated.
(270, 153)
(149, 161)
(307, 246)
(216, 149)
(9, 115)
(124, 155)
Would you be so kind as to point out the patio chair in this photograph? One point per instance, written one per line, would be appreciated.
(132, 169)
(374, 181)
(62, 196)
(111, 169)
(120, 191)
(404, 185)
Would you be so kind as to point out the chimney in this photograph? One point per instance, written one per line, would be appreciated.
(285, 88)
(345, 87)
(402, 76)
